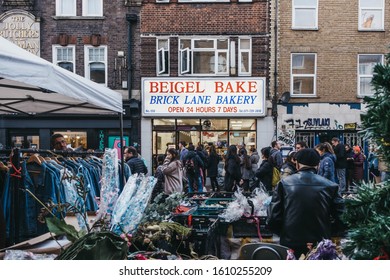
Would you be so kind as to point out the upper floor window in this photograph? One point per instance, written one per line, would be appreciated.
(303, 74)
(68, 8)
(204, 56)
(367, 63)
(162, 56)
(371, 14)
(92, 7)
(244, 57)
(305, 14)
(64, 57)
(96, 64)
(65, 7)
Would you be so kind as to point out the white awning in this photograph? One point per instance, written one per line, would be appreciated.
(32, 85)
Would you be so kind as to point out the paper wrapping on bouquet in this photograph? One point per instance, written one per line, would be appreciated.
(131, 204)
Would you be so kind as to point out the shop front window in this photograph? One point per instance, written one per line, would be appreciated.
(75, 139)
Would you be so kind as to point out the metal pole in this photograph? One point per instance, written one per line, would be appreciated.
(122, 150)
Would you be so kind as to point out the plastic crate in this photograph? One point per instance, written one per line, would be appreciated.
(248, 227)
(222, 202)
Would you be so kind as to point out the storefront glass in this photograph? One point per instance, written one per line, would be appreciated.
(221, 132)
(75, 139)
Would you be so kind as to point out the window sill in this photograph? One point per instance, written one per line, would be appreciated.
(371, 30)
(305, 28)
(78, 17)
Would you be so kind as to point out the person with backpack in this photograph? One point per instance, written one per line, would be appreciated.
(276, 160)
(192, 165)
(232, 169)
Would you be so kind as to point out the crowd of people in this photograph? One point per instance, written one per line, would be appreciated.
(306, 186)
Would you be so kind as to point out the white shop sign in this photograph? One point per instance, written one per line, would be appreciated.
(198, 97)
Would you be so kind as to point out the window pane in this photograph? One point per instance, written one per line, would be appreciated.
(244, 62)
(67, 7)
(215, 124)
(94, 7)
(367, 63)
(307, 61)
(365, 86)
(371, 19)
(222, 44)
(303, 85)
(204, 44)
(163, 124)
(162, 44)
(66, 65)
(245, 44)
(242, 137)
(305, 18)
(371, 3)
(204, 62)
(218, 138)
(97, 73)
(243, 124)
(305, 3)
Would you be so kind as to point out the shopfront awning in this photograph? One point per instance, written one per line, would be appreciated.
(30, 85)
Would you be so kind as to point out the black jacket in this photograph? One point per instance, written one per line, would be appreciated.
(341, 156)
(302, 208)
(137, 165)
(232, 173)
(264, 173)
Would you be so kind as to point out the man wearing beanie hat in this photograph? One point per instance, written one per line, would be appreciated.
(304, 204)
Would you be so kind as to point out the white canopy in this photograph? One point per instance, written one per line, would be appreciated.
(32, 85)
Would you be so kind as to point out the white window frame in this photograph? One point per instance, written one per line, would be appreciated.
(59, 11)
(55, 49)
(87, 71)
(362, 14)
(360, 76)
(161, 59)
(186, 57)
(313, 7)
(314, 76)
(200, 1)
(86, 11)
(240, 60)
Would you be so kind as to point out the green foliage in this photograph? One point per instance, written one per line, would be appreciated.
(367, 216)
(60, 227)
(162, 207)
(376, 121)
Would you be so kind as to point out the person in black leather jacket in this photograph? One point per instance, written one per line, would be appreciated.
(304, 205)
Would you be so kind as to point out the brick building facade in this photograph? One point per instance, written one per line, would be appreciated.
(344, 43)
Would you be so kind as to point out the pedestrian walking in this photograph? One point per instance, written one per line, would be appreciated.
(212, 168)
(193, 165)
(341, 162)
(173, 173)
(305, 207)
(326, 167)
(246, 169)
(264, 172)
(232, 169)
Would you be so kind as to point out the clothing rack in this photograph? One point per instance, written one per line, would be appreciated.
(16, 180)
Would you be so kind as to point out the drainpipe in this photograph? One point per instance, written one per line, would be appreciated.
(131, 18)
(275, 95)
